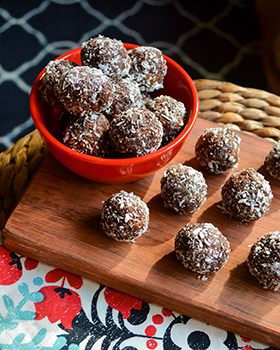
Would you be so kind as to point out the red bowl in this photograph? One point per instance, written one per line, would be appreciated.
(177, 84)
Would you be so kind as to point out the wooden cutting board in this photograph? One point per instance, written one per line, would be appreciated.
(57, 222)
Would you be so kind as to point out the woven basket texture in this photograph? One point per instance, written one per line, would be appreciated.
(17, 166)
(251, 110)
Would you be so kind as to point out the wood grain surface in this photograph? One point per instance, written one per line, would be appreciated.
(57, 222)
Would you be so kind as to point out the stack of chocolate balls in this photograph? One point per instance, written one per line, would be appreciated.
(108, 110)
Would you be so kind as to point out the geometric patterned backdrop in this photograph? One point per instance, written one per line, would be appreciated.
(211, 39)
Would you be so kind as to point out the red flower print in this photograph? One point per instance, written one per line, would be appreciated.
(59, 303)
(10, 267)
(55, 275)
(245, 340)
(30, 264)
(247, 347)
(122, 302)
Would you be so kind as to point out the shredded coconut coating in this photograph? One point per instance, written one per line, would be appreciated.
(127, 95)
(264, 261)
(85, 90)
(136, 132)
(202, 248)
(51, 80)
(88, 135)
(246, 195)
(217, 150)
(107, 54)
(171, 114)
(148, 68)
(145, 97)
(183, 189)
(124, 217)
(272, 161)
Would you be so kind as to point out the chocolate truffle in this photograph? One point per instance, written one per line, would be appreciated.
(217, 150)
(272, 161)
(127, 95)
(183, 189)
(107, 54)
(264, 260)
(202, 248)
(148, 68)
(85, 90)
(51, 80)
(124, 217)
(88, 135)
(171, 114)
(246, 195)
(136, 132)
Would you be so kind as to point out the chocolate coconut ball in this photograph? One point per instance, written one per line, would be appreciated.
(264, 260)
(88, 135)
(127, 95)
(272, 161)
(183, 189)
(124, 217)
(246, 195)
(136, 132)
(107, 54)
(148, 68)
(217, 150)
(202, 248)
(171, 114)
(51, 80)
(85, 90)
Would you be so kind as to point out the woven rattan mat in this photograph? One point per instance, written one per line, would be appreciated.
(251, 110)
(17, 165)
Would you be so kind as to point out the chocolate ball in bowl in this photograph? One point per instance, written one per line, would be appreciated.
(148, 68)
(136, 132)
(171, 114)
(107, 54)
(124, 217)
(88, 135)
(85, 90)
(51, 80)
(126, 95)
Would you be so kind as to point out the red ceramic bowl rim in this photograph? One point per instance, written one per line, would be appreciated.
(112, 161)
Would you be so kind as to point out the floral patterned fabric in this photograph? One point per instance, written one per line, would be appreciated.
(42, 307)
